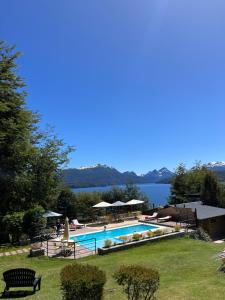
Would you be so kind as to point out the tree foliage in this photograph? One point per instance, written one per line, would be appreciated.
(30, 160)
(13, 224)
(198, 181)
(34, 223)
(16, 127)
(131, 191)
(210, 190)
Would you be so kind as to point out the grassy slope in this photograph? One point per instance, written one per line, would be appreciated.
(187, 270)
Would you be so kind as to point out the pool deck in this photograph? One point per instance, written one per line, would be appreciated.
(92, 228)
(55, 247)
(88, 229)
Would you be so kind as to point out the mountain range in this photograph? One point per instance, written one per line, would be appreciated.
(102, 175)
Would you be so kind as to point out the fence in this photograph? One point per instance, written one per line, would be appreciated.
(71, 250)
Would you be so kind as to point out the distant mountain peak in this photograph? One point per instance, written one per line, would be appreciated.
(102, 174)
(164, 169)
(215, 164)
(94, 167)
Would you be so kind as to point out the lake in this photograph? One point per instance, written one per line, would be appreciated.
(157, 193)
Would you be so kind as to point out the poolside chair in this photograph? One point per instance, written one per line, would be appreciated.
(152, 217)
(76, 224)
(164, 219)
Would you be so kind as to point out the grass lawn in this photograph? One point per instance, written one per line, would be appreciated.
(8, 247)
(187, 270)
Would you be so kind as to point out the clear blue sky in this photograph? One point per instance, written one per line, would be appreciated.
(133, 84)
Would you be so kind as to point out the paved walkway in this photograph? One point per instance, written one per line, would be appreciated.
(14, 252)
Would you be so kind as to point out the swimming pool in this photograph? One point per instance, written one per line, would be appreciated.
(112, 234)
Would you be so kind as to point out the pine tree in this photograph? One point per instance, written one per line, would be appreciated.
(30, 161)
(210, 190)
(16, 126)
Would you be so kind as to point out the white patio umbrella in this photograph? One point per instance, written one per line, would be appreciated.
(118, 203)
(102, 205)
(134, 202)
(51, 214)
(66, 235)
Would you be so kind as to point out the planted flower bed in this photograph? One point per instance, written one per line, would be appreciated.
(137, 239)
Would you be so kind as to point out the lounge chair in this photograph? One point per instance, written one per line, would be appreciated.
(75, 224)
(164, 219)
(152, 217)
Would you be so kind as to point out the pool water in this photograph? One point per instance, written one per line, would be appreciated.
(112, 234)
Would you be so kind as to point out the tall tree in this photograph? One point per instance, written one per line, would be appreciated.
(16, 127)
(210, 190)
(178, 189)
(30, 161)
(198, 180)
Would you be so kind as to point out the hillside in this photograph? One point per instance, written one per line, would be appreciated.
(101, 175)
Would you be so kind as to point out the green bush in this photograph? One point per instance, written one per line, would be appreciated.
(138, 282)
(107, 243)
(166, 230)
(150, 234)
(201, 234)
(13, 225)
(33, 222)
(177, 228)
(124, 238)
(82, 282)
(136, 236)
(158, 232)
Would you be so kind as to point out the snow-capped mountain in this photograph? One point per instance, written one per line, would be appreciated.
(158, 175)
(216, 165)
(93, 167)
(99, 174)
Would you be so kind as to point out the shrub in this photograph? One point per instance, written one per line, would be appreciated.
(136, 236)
(107, 243)
(124, 238)
(138, 282)
(201, 234)
(13, 225)
(82, 282)
(33, 222)
(24, 239)
(158, 232)
(150, 234)
(166, 230)
(177, 228)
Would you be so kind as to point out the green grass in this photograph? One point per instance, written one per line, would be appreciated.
(188, 270)
(9, 247)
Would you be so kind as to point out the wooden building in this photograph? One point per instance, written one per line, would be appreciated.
(210, 218)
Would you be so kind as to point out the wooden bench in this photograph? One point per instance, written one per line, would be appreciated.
(21, 278)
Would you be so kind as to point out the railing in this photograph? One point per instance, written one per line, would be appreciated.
(70, 249)
(187, 223)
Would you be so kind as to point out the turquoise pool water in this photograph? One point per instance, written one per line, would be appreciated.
(112, 234)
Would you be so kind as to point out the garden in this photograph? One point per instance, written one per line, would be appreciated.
(187, 270)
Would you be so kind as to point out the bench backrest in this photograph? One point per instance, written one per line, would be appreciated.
(19, 276)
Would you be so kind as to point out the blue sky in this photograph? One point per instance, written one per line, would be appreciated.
(133, 84)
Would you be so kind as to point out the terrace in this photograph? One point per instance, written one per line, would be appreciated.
(91, 240)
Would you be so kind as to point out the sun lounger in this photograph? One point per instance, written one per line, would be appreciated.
(75, 224)
(164, 219)
(152, 217)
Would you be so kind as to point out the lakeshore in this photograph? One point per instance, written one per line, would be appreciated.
(157, 193)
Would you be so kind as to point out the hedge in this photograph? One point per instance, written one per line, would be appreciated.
(82, 282)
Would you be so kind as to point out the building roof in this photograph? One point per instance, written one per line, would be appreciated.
(203, 211)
